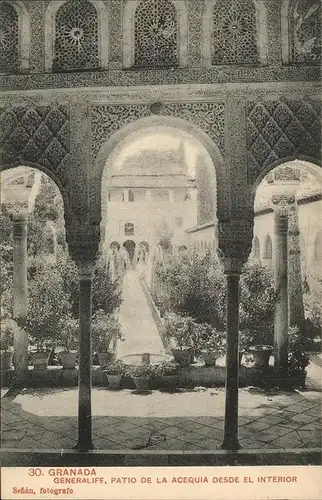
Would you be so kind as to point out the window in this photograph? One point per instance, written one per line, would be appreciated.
(187, 196)
(179, 221)
(131, 196)
(234, 33)
(305, 31)
(9, 38)
(155, 34)
(160, 195)
(76, 36)
(129, 229)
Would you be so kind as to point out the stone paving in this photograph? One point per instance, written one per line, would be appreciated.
(139, 328)
(185, 420)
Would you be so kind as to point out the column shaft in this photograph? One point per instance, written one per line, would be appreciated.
(20, 296)
(231, 441)
(85, 359)
(295, 291)
(281, 308)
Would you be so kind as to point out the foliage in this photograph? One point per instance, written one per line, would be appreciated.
(167, 368)
(105, 329)
(212, 340)
(313, 302)
(48, 303)
(115, 368)
(298, 357)
(257, 305)
(179, 330)
(195, 285)
(141, 370)
(107, 294)
(68, 271)
(68, 335)
(7, 335)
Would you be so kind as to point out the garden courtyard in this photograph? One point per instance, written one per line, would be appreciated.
(182, 420)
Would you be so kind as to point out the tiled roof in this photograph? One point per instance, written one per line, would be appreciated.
(152, 181)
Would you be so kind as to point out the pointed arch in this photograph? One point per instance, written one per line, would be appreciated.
(256, 248)
(268, 248)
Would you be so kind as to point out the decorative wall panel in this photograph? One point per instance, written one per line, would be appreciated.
(281, 129)
(9, 40)
(38, 135)
(107, 119)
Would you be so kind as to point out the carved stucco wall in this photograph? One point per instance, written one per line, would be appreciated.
(284, 128)
(66, 138)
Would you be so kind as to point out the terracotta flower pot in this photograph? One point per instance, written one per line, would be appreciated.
(105, 358)
(182, 356)
(114, 381)
(141, 383)
(210, 357)
(68, 360)
(261, 355)
(40, 360)
(6, 360)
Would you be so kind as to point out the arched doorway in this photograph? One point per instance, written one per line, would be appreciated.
(129, 246)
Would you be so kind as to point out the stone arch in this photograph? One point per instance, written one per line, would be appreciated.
(287, 33)
(128, 32)
(141, 125)
(23, 34)
(312, 165)
(50, 19)
(115, 244)
(67, 207)
(207, 30)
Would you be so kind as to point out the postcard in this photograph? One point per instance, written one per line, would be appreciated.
(161, 249)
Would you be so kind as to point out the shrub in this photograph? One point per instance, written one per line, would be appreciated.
(141, 370)
(105, 329)
(167, 368)
(115, 368)
(69, 333)
(179, 330)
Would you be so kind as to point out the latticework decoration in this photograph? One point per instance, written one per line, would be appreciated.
(76, 36)
(305, 31)
(9, 38)
(234, 38)
(156, 34)
(281, 129)
(37, 135)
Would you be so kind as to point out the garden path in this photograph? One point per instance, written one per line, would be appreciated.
(139, 328)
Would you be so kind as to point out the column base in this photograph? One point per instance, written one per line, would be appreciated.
(84, 446)
(231, 445)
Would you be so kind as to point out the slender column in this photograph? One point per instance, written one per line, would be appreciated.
(85, 357)
(231, 441)
(295, 292)
(20, 295)
(281, 308)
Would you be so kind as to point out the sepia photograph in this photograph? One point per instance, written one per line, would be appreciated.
(161, 248)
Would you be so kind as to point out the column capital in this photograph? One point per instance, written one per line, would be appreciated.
(83, 246)
(234, 244)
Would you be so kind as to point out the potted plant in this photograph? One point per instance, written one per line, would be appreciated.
(179, 331)
(257, 306)
(69, 339)
(141, 374)
(298, 357)
(211, 344)
(48, 303)
(105, 332)
(114, 372)
(7, 332)
(168, 372)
